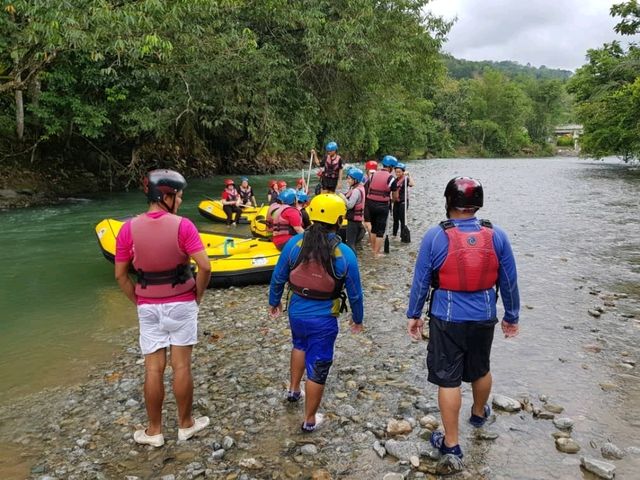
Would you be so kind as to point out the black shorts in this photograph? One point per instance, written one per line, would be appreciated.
(458, 352)
(378, 214)
(365, 214)
(329, 184)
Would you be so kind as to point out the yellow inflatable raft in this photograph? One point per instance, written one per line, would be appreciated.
(258, 224)
(212, 210)
(235, 261)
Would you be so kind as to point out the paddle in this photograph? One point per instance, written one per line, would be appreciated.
(306, 187)
(405, 233)
(386, 235)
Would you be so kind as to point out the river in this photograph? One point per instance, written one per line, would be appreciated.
(576, 236)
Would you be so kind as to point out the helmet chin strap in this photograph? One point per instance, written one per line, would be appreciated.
(164, 204)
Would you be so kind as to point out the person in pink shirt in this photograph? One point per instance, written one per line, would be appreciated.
(287, 219)
(159, 245)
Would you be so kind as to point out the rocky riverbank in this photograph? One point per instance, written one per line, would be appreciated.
(378, 406)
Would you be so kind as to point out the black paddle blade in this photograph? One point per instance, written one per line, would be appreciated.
(405, 235)
(386, 244)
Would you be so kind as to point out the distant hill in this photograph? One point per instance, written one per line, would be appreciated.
(459, 68)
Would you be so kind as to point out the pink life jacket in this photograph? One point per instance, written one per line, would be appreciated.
(356, 214)
(269, 217)
(471, 263)
(379, 190)
(163, 269)
(280, 225)
(331, 167)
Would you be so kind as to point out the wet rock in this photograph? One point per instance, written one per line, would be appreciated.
(217, 455)
(168, 477)
(502, 402)
(393, 476)
(482, 434)
(321, 475)
(594, 313)
(567, 445)
(592, 348)
(379, 449)
(563, 423)
(309, 450)
(429, 422)
(608, 386)
(611, 451)
(633, 450)
(449, 464)
(426, 407)
(398, 427)
(601, 469)
(415, 461)
(402, 450)
(561, 434)
(550, 407)
(227, 442)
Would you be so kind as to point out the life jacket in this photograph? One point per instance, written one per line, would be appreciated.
(471, 263)
(311, 279)
(356, 214)
(280, 225)
(402, 185)
(331, 167)
(245, 195)
(379, 190)
(163, 269)
(231, 196)
(269, 217)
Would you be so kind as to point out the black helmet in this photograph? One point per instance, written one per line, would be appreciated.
(464, 192)
(158, 183)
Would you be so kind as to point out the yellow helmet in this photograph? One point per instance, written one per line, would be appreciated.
(327, 208)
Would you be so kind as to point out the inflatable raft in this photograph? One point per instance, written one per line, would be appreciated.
(258, 225)
(235, 261)
(212, 210)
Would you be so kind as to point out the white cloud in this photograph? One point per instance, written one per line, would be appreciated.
(555, 33)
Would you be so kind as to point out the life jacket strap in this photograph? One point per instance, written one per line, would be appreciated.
(177, 276)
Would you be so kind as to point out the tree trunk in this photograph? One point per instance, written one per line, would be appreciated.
(19, 113)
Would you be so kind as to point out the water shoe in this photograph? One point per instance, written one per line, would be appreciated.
(199, 423)
(141, 437)
(308, 428)
(437, 441)
(478, 421)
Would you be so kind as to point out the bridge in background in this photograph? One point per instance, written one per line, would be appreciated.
(574, 130)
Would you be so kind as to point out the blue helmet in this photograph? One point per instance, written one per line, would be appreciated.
(356, 174)
(331, 147)
(244, 179)
(389, 161)
(302, 197)
(401, 166)
(288, 196)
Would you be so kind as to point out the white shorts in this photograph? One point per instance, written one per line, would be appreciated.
(165, 324)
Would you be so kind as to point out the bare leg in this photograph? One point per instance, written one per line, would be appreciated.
(449, 401)
(182, 383)
(481, 390)
(312, 400)
(297, 369)
(154, 365)
(372, 241)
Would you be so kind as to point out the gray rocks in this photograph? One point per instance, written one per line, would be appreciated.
(309, 450)
(449, 464)
(379, 449)
(217, 455)
(482, 434)
(601, 469)
(611, 451)
(429, 422)
(393, 476)
(227, 442)
(563, 423)
(550, 407)
(502, 402)
(402, 450)
(567, 445)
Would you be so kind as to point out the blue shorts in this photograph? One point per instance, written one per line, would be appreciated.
(316, 337)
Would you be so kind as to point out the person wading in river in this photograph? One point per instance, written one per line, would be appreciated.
(317, 266)
(167, 298)
(459, 264)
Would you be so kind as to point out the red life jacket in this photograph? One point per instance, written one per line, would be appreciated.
(331, 166)
(312, 280)
(471, 263)
(280, 225)
(356, 214)
(163, 269)
(231, 196)
(379, 190)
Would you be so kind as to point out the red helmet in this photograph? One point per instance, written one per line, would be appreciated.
(371, 165)
(300, 182)
(464, 192)
(228, 182)
(282, 184)
(272, 183)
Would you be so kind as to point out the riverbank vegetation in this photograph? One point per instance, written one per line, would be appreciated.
(97, 92)
(607, 92)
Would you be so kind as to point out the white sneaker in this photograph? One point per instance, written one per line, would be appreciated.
(141, 437)
(199, 423)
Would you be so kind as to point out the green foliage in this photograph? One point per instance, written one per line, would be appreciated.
(630, 14)
(461, 69)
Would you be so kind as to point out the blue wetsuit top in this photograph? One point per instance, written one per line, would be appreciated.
(454, 306)
(344, 262)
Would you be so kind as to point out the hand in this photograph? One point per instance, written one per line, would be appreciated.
(355, 327)
(414, 327)
(275, 312)
(510, 330)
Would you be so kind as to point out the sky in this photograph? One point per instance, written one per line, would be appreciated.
(555, 33)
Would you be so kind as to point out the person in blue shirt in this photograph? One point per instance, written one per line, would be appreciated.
(461, 266)
(317, 267)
